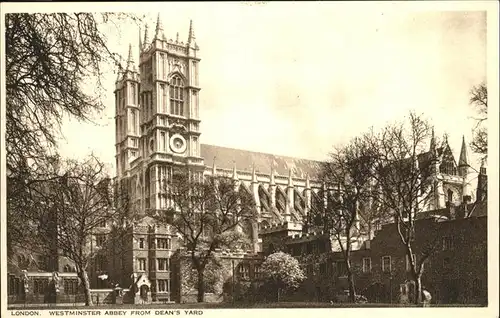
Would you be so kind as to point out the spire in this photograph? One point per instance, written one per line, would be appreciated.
(235, 174)
(146, 37)
(177, 38)
(308, 182)
(254, 175)
(130, 60)
(159, 28)
(432, 147)
(463, 161)
(290, 180)
(191, 37)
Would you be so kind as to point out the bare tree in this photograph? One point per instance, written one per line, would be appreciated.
(349, 171)
(405, 183)
(48, 59)
(479, 98)
(207, 212)
(70, 209)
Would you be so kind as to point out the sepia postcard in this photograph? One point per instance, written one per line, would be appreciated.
(247, 158)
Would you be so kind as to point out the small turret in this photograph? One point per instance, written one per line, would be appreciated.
(191, 37)
(482, 183)
(254, 175)
(159, 29)
(290, 180)
(130, 60)
(146, 38)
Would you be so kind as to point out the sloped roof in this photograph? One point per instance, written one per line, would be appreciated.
(244, 160)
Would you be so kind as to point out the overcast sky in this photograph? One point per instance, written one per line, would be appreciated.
(297, 78)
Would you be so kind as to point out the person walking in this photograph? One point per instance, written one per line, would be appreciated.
(426, 297)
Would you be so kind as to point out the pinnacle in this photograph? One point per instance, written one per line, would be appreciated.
(159, 28)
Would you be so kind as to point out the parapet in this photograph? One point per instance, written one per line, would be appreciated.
(284, 226)
(224, 253)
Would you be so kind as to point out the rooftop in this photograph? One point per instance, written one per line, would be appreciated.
(245, 160)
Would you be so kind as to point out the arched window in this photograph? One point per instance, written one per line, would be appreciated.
(177, 96)
(450, 195)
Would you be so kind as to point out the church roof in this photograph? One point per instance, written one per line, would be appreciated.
(245, 160)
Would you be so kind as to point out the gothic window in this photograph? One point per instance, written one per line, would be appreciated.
(447, 167)
(177, 96)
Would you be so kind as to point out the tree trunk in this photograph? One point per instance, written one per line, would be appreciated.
(352, 290)
(82, 274)
(278, 295)
(350, 276)
(201, 285)
(418, 289)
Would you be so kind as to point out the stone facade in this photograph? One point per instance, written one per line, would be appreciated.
(158, 133)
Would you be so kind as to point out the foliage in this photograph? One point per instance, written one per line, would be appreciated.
(479, 98)
(207, 212)
(49, 58)
(64, 213)
(216, 273)
(282, 271)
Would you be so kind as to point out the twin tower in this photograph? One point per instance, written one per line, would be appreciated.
(157, 115)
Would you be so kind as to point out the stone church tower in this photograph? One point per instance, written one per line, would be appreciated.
(158, 130)
(157, 116)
